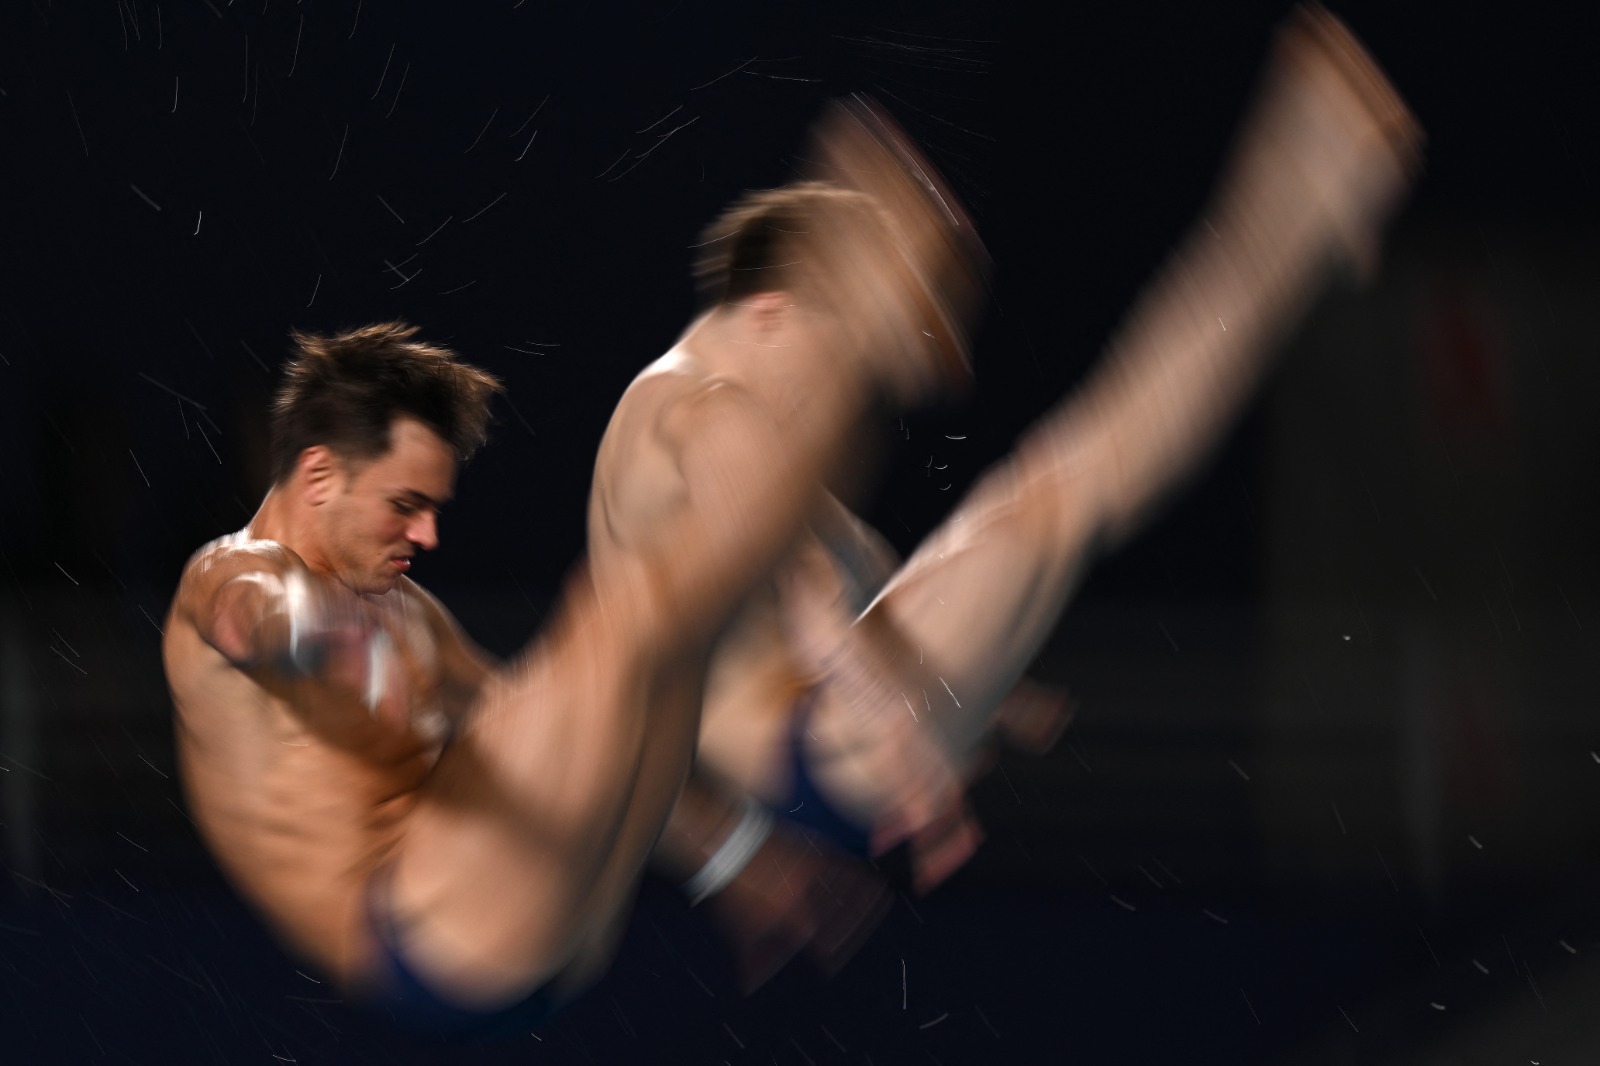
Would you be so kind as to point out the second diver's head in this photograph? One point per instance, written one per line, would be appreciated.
(838, 252)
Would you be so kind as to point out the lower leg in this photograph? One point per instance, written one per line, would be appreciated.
(1319, 164)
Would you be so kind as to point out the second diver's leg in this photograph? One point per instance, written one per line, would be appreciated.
(1320, 162)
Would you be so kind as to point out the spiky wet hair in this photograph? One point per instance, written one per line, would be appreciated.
(344, 390)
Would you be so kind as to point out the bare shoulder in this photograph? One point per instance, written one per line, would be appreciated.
(413, 597)
(235, 596)
(416, 602)
(684, 407)
(443, 647)
(240, 551)
(672, 394)
(236, 555)
(640, 475)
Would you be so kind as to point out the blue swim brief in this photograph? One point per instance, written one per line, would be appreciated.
(805, 804)
(410, 1000)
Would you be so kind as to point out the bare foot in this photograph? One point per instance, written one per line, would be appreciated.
(1329, 121)
(941, 273)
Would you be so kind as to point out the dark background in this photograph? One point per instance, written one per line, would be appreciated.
(1331, 793)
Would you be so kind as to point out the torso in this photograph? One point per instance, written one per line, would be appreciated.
(301, 792)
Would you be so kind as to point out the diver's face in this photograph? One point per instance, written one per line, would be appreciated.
(387, 509)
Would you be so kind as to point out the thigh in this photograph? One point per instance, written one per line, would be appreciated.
(521, 855)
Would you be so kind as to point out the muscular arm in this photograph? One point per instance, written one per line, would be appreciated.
(269, 617)
(744, 476)
(235, 597)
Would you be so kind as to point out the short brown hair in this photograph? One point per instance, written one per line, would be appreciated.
(775, 239)
(344, 390)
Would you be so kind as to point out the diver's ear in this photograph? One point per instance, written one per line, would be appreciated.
(769, 311)
(317, 473)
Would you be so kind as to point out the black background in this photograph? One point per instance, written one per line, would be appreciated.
(181, 184)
